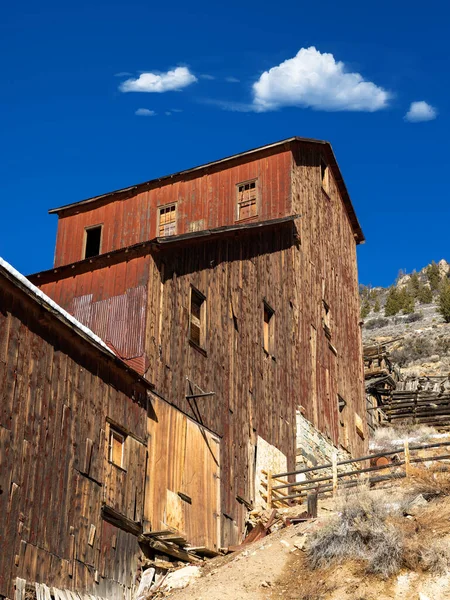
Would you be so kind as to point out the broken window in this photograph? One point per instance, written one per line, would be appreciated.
(92, 241)
(324, 176)
(116, 447)
(167, 220)
(268, 329)
(247, 200)
(197, 318)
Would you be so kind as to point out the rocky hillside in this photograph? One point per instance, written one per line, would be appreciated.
(407, 313)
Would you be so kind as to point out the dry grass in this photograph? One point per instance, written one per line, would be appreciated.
(295, 584)
(360, 532)
(430, 482)
(391, 438)
(371, 529)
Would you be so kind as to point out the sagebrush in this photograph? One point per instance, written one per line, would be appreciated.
(373, 529)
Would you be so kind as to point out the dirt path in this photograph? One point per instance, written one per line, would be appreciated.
(249, 575)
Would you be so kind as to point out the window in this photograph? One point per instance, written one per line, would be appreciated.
(92, 241)
(116, 447)
(268, 326)
(197, 318)
(167, 220)
(359, 426)
(324, 175)
(326, 319)
(341, 403)
(247, 200)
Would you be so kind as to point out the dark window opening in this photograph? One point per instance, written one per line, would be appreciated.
(341, 403)
(268, 327)
(93, 241)
(197, 318)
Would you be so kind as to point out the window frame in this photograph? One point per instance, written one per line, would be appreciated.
(158, 225)
(268, 326)
(201, 344)
(326, 319)
(239, 202)
(118, 433)
(85, 237)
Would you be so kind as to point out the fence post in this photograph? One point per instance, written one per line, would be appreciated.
(312, 505)
(334, 469)
(407, 459)
(269, 489)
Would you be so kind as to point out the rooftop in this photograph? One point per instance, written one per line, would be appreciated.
(276, 146)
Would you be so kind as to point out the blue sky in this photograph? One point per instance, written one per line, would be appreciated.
(69, 132)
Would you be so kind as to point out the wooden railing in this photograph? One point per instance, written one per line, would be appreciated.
(344, 474)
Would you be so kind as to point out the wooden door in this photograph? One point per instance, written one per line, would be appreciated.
(183, 478)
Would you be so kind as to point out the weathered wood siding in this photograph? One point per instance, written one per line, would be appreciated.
(326, 270)
(203, 202)
(183, 479)
(57, 399)
(255, 394)
(298, 270)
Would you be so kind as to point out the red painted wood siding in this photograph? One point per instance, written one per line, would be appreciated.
(204, 201)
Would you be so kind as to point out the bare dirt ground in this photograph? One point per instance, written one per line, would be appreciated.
(276, 568)
(248, 575)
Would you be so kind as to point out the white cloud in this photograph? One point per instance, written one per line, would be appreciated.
(173, 80)
(145, 112)
(420, 111)
(316, 80)
(232, 80)
(206, 76)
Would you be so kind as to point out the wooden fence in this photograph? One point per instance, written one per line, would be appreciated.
(346, 473)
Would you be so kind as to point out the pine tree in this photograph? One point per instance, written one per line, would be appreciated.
(365, 309)
(425, 295)
(393, 303)
(406, 301)
(434, 276)
(377, 306)
(414, 284)
(444, 301)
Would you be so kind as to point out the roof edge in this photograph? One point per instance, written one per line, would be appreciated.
(164, 178)
(357, 230)
(157, 244)
(22, 282)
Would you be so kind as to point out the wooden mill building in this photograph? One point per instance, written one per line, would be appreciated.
(232, 288)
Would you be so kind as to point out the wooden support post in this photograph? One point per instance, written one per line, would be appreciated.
(312, 505)
(407, 459)
(335, 473)
(269, 489)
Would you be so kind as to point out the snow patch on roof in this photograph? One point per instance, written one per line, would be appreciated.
(35, 291)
